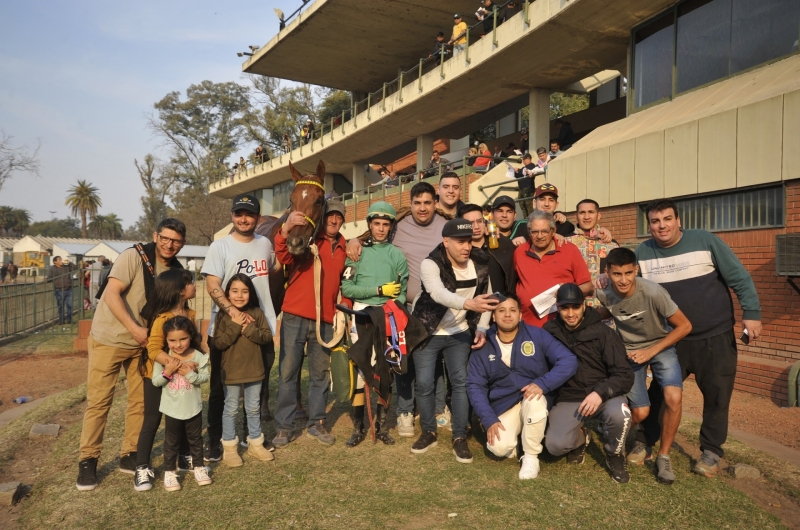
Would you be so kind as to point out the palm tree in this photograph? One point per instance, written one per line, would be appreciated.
(14, 220)
(98, 226)
(113, 226)
(106, 226)
(83, 199)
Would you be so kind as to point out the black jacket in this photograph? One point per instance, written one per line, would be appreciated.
(428, 311)
(565, 229)
(603, 365)
(372, 334)
(501, 266)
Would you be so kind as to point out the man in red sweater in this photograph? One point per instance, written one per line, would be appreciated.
(298, 326)
(543, 265)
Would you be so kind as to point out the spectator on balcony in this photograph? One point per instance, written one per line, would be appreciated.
(458, 40)
(511, 150)
(437, 164)
(566, 136)
(485, 13)
(261, 155)
(473, 156)
(242, 163)
(234, 170)
(439, 48)
(485, 158)
(286, 143)
(543, 159)
(526, 186)
(509, 11)
(498, 153)
(555, 150)
(523, 139)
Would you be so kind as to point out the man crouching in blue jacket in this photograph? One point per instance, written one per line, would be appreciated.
(507, 379)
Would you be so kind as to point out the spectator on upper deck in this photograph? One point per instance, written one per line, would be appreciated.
(458, 40)
(485, 13)
(485, 158)
(439, 47)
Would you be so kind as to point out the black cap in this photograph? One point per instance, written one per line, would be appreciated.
(247, 202)
(503, 200)
(456, 16)
(457, 228)
(569, 293)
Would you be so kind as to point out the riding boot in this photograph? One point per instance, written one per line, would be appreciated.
(357, 414)
(381, 430)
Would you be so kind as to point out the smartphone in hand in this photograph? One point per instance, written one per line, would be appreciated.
(745, 337)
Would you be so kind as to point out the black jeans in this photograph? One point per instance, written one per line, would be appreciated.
(152, 419)
(174, 430)
(713, 363)
(216, 396)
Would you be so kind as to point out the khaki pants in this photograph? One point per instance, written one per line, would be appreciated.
(105, 363)
(529, 418)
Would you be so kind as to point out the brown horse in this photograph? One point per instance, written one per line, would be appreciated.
(308, 197)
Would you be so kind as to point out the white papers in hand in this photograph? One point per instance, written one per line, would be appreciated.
(545, 303)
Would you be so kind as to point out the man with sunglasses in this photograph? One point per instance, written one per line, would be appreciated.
(117, 337)
(241, 251)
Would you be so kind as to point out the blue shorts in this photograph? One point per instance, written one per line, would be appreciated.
(666, 370)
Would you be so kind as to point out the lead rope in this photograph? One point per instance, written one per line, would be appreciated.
(338, 317)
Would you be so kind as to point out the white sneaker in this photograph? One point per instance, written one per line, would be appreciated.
(171, 481)
(530, 467)
(443, 420)
(405, 425)
(201, 476)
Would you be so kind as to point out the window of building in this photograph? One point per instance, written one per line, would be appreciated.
(280, 195)
(739, 210)
(711, 39)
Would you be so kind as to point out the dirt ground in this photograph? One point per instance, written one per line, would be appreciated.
(38, 376)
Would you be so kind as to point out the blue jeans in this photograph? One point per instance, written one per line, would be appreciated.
(299, 334)
(666, 371)
(456, 350)
(252, 399)
(64, 302)
(405, 388)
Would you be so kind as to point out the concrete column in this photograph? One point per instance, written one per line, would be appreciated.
(538, 119)
(359, 180)
(424, 151)
(328, 182)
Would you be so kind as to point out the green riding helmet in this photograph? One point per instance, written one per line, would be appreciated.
(381, 210)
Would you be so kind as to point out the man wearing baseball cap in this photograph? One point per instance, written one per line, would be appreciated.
(504, 211)
(546, 198)
(459, 37)
(455, 308)
(597, 389)
(298, 324)
(241, 251)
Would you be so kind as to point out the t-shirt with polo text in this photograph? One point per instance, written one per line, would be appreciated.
(641, 319)
(227, 257)
(562, 265)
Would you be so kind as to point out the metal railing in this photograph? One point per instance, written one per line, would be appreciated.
(378, 97)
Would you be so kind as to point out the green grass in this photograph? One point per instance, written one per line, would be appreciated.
(48, 342)
(313, 486)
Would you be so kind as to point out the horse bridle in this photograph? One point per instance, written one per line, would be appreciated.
(318, 224)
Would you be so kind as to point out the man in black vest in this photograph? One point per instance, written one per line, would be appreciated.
(455, 308)
(501, 259)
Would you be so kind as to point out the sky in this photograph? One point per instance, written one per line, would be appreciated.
(80, 76)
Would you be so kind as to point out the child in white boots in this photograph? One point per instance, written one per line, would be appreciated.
(240, 338)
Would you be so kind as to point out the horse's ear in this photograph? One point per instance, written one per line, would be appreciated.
(296, 175)
(321, 170)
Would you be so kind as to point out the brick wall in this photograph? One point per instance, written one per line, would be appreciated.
(779, 347)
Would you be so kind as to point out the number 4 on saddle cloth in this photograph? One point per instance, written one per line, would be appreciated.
(393, 334)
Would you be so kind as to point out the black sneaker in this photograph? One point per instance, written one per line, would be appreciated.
(212, 453)
(424, 442)
(461, 450)
(127, 463)
(283, 438)
(143, 479)
(185, 463)
(87, 474)
(578, 455)
(618, 467)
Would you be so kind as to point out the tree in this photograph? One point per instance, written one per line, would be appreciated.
(159, 182)
(203, 214)
(14, 221)
(84, 201)
(334, 102)
(106, 226)
(561, 105)
(16, 159)
(55, 228)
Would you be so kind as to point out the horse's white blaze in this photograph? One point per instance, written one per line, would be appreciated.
(305, 193)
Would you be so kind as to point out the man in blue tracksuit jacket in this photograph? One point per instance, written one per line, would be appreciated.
(512, 381)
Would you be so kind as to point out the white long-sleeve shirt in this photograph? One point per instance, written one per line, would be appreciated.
(455, 319)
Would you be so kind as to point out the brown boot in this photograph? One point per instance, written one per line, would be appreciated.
(255, 447)
(230, 452)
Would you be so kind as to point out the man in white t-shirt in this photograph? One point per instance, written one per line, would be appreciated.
(454, 306)
(242, 251)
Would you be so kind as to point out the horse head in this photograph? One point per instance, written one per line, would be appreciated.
(308, 197)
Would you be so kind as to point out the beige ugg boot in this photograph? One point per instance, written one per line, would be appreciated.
(230, 452)
(256, 448)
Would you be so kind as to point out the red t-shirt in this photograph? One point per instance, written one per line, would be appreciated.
(534, 276)
(299, 299)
